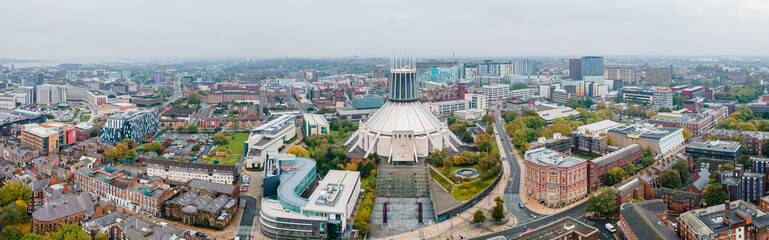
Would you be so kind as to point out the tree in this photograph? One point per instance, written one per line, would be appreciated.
(218, 129)
(603, 202)
(488, 118)
(490, 129)
(670, 179)
(68, 232)
(745, 161)
(194, 98)
(498, 212)
(725, 167)
(195, 148)
(32, 236)
(435, 158)
(365, 169)
(664, 109)
(297, 150)
(613, 177)
(609, 141)
(102, 236)
(687, 134)
(11, 233)
(458, 161)
(14, 191)
(483, 142)
(220, 139)
(647, 161)
(154, 147)
(235, 124)
(478, 217)
(648, 152)
(94, 132)
(131, 154)
(682, 167)
(650, 113)
(192, 129)
(714, 194)
(118, 152)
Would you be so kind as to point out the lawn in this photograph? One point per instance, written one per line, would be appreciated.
(236, 147)
(445, 183)
(454, 168)
(337, 139)
(85, 116)
(469, 190)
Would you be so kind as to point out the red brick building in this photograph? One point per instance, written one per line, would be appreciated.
(555, 180)
(68, 210)
(678, 200)
(646, 220)
(600, 166)
(228, 95)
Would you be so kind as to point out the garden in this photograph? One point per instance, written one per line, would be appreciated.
(229, 147)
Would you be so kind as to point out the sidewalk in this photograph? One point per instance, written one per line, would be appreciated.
(462, 225)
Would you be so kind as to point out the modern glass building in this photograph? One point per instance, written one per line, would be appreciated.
(592, 66)
(439, 74)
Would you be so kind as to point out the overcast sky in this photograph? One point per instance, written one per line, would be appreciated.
(113, 29)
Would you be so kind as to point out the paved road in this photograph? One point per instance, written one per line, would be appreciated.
(247, 221)
(511, 196)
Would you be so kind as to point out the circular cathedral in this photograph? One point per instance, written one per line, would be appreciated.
(403, 130)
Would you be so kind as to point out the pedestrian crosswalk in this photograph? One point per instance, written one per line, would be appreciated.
(245, 232)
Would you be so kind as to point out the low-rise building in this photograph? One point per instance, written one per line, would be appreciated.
(269, 137)
(469, 114)
(558, 143)
(731, 220)
(315, 124)
(68, 210)
(561, 112)
(555, 180)
(321, 216)
(564, 228)
(112, 185)
(47, 138)
(447, 108)
(662, 140)
(588, 143)
(599, 167)
(182, 171)
(678, 200)
(754, 140)
(646, 220)
(717, 149)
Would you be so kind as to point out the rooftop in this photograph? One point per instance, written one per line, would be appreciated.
(616, 155)
(642, 218)
(64, 207)
(211, 186)
(601, 126)
(547, 157)
(334, 192)
(290, 176)
(716, 145)
(557, 229)
(647, 131)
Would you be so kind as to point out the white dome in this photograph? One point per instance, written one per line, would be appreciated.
(403, 116)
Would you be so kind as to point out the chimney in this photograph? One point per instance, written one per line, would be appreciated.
(726, 207)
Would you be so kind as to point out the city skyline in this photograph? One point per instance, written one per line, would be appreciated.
(91, 30)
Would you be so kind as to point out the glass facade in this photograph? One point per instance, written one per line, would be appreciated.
(592, 66)
(403, 86)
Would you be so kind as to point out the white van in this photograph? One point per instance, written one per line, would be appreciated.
(610, 227)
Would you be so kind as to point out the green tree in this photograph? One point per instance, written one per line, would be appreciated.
(488, 118)
(498, 212)
(14, 191)
(11, 233)
(682, 167)
(131, 154)
(725, 167)
(648, 152)
(603, 202)
(435, 158)
(218, 129)
(32, 236)
(102, 236)
(195, 148)
(154, 147)
(613, 177)
(194, 98)
(670, 179)
(745, 161)
(68, 232)
(687, 134)
(220, 139)
(714, 194)
(478, 217)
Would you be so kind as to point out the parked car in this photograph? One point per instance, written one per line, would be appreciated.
(610, 227)
(520, 204)
(244, 189)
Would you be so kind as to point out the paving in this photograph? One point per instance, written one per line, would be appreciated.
(443, 200)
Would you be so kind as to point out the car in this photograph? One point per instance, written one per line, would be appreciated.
(243, 189)
(244, 205)
(527, 230)
(610, 227)
(520, 204)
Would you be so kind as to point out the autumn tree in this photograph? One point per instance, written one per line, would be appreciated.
(297, 150)
(603, 202)
(483, 142)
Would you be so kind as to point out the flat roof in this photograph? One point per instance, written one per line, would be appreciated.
(315, 119)
(716, 145)
(600, 126)
(334, 191)
(544, 156)
(557, 229)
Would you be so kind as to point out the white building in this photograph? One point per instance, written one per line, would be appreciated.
(269, 137)
(495, 92)
(526, 92)
(315, 124)
(549, 115)
(185, 171)
(469, 114)
(523, 67)
(51, 94)
(663, 98)
(7, 101)
(477, 101)
(447, 108)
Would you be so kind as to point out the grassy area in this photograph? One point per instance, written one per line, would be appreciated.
(335, 135)
(454, 168)
(586, 157)
(236, 147)
(442, 181)
(469, 190)
(86, 115)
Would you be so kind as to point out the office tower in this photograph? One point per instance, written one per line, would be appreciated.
(592, 66)
(50, 94)
(575, 69)
(626, 74)
(659, 75)
(523, 67)
(158, 77)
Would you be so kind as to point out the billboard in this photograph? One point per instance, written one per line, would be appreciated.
(71, 136)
